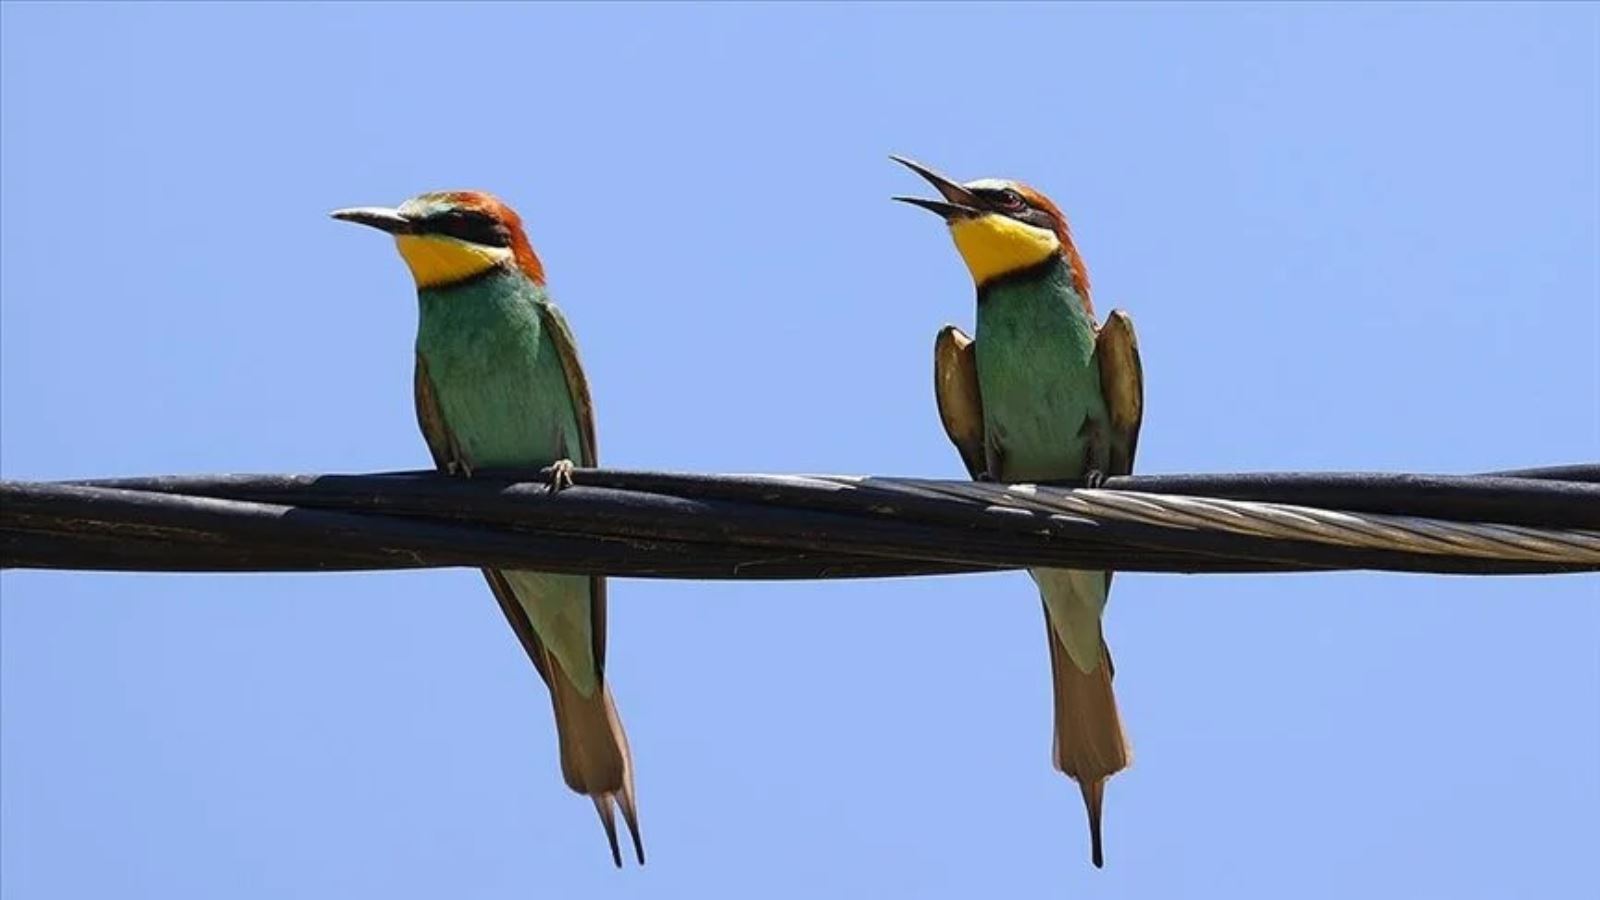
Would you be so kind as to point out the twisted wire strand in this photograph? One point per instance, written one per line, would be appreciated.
(1415, 534)
(1369, 530)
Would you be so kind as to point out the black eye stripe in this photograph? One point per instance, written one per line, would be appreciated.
(1004, 200)
(1000, 200)
(468, 225)
(1038, 218)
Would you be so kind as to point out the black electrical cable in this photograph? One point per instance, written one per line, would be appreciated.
(718, 526)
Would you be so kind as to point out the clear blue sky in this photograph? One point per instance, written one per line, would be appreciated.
(1357, 238)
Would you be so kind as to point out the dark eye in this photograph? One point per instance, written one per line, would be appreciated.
(1012, 200)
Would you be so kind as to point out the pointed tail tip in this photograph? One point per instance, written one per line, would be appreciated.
(1096, 849)
(1093, 794)
(616, 852)
(630, 815)
(638, 845)
(602, 805)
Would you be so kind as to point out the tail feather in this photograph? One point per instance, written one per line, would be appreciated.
(602, 805)
(1089, 744)
(624, 795)
(1094, 793)
(594, 755)
(630, 813)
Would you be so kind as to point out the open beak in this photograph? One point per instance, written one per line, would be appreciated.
(378, 217)
(958, 203)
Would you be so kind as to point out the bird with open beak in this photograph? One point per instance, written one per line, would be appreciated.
(1043, 393)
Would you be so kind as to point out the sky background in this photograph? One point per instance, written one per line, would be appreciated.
(1352, 238)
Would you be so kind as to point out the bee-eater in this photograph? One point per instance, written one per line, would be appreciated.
(498, 384)
(1043, 393)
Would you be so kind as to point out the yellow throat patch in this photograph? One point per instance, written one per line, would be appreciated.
(437, 260)
(994, 245)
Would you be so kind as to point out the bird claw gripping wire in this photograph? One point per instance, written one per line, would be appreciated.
(560, 476)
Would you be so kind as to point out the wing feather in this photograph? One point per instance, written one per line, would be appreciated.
(1122, 383)
(955, 386)
(588, 457)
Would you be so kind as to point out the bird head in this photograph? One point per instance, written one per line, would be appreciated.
(449, 237)
(1000, 227)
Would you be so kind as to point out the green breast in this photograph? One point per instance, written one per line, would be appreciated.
(1037, 375)
(496, 372)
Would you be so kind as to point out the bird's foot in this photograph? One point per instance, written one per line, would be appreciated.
(560, 475)
(1094, 478)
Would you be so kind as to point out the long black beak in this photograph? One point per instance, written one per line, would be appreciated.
(379, 217)
(958, 203)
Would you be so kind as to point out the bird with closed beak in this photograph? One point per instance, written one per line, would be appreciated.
(1043, 393)
(498, 385)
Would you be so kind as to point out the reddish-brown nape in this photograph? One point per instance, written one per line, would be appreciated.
(491, 205)
(1080, 273)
